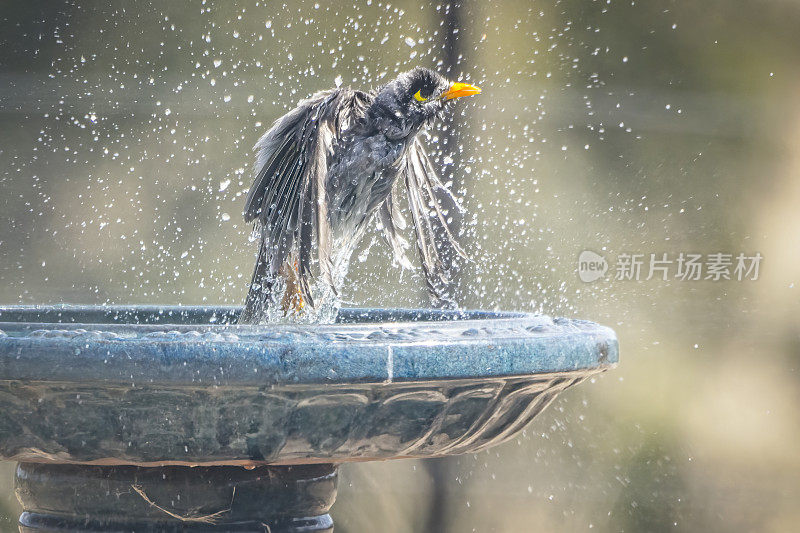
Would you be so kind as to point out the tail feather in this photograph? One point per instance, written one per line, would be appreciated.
(260, 293)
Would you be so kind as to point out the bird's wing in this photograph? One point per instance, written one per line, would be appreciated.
(434, 210)
(393, 224)
(287, 198)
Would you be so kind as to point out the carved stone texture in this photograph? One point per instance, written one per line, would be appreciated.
(112, 409)
(277, 425)
(185, 386)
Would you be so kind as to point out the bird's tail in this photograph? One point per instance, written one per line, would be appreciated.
(272, 296)
(260, 294)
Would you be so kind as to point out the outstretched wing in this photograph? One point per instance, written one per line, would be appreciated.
(434, 210)
(393, 224)
(287, 198)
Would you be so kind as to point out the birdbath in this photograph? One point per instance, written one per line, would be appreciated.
(142, 418)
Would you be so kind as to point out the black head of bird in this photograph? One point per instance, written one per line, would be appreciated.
(415, 99)
(328, 167)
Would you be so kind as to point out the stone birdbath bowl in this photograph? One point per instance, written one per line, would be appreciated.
(142, 418)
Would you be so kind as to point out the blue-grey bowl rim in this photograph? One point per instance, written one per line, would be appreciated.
(193, 345)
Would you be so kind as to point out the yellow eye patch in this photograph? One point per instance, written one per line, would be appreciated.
(418, 96)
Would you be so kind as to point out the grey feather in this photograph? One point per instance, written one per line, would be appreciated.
(437, 194)
(393, 223)
(287, 199)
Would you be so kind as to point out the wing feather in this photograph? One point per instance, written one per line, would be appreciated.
(434, 238)
(437, 192)
(288, 197)
(393, 223)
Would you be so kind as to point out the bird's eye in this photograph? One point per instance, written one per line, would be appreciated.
(418, 96)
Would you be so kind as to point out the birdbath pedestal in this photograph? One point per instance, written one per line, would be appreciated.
(142, 418)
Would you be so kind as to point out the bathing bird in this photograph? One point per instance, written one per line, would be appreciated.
(328, 167)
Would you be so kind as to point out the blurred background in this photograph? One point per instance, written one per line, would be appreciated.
(617, 127)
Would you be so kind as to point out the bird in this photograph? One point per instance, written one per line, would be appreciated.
(329, 167)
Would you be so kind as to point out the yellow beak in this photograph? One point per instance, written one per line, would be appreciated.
(457, 90)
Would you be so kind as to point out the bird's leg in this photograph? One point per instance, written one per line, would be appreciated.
(292, 303)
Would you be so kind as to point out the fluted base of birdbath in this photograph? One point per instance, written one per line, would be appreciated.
(58, 497)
